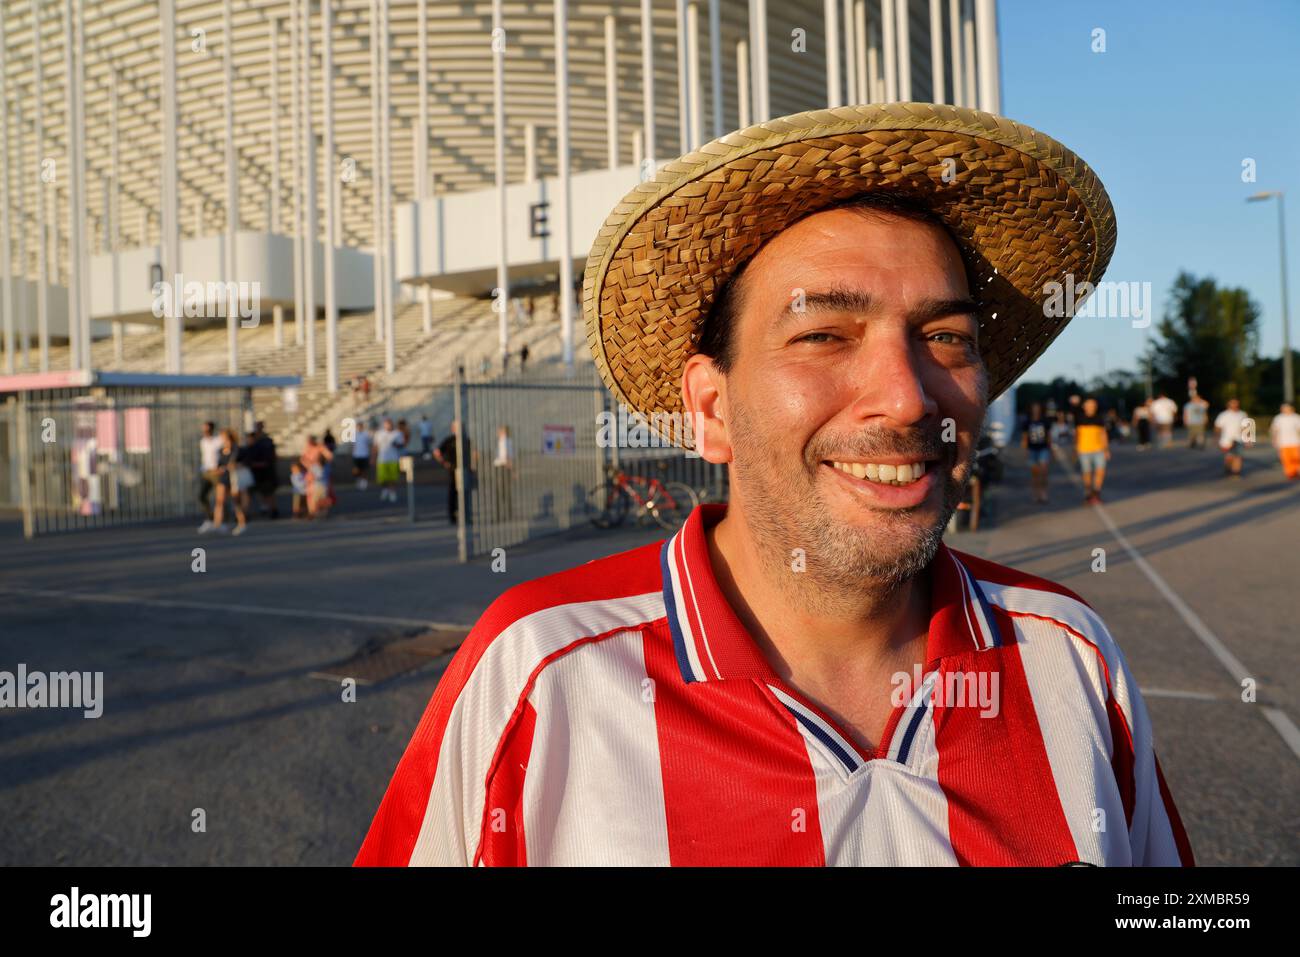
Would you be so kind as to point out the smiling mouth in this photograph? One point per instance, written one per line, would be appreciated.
(882, 473)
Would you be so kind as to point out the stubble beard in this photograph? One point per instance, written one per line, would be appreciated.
(843, 564)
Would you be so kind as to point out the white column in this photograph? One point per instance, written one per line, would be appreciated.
(937, 78)
(693, 72)
(530, 152)
(611, 90)
(83, 190)
(331, 195)
(77, 359)
(232, 189)
(955, 51)
(889, 41)
(274, 225)
(295, 113)
(862, 49)
(114, 211)
(638, 145)
(903, 20)
(562, 179)
(422, 190)
(42, 234)
(875, 82)
(762, 104)
(309, 200)
(968, 52)
(715, 64)
(647, 161)
(376, 167)
(834, 89)
(683, 80)
(386, 109)
(502, 300)
(6, 224)
(743, 117)
(20, 166)
(169, 239)
(986, 30)
(851, 92)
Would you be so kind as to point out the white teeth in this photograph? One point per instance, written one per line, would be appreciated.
(886, 474)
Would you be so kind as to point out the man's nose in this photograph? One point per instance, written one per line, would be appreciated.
(887, 380)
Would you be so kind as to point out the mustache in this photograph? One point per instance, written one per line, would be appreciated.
(919, 442)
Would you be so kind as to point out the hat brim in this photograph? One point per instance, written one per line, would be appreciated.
(1025, 211)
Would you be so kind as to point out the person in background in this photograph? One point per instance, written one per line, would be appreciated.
(1061, 432)
(227, 484)
(301, 489)
(1037, 441)
(446, 455)
(388, 443)
(426, 437)
(1285, 435)
(329, 441)
(1230, 424)
(316, 461)
(1093, 447)
(361, 456)
(523, 359)
(1142, 425)
(1196, 416)
(263, 466)
(503, 473)
(1163, 412)
(209, 473)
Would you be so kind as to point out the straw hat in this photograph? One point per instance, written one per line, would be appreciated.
(1024, 210)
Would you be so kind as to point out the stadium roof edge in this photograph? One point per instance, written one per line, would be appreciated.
(85, 378)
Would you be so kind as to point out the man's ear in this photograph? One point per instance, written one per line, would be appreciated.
(704, 395)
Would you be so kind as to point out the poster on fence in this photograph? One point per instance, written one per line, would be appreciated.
(559, 440)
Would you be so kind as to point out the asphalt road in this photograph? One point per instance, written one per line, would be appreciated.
(210, 704)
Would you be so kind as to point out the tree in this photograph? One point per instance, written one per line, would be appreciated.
(1211, 333)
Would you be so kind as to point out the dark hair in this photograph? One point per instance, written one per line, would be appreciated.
(716, 331)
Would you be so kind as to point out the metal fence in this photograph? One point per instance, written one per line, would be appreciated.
(80, 458)
(557, 455)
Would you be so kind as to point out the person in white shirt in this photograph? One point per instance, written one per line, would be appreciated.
(1285, 434)
(388, 443)
(1164, 410)
(503, 472)
(1231, 426)
(361, 456)
(209, 471)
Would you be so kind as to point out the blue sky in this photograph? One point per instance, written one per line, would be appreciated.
(1184, 92)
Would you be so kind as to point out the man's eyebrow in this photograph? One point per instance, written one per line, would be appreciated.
(853, 300)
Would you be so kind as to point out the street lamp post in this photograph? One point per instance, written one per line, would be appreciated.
(1288, 379)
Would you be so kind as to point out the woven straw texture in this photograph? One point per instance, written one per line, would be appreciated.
(1025, 209)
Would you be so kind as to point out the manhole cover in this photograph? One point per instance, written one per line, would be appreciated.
(396, 658)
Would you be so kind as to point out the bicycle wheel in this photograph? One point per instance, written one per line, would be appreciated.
(606, 505)
(671, 503)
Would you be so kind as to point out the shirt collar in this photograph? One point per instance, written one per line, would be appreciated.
(711, 643)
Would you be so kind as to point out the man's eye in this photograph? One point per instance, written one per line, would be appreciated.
(815, 337)
(949, 337)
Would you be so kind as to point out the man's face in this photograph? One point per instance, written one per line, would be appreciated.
(875, 368)
(1090, 407)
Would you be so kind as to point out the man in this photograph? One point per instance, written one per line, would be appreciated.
(1092, 447)
(1163, 411)
(361, 456)
(209, 471)
(446, 455)
(388, 444)
(1284, 431)
(778, 682)
(1231, 426)
(1037, 443)
(1196, 415)
(262, 462)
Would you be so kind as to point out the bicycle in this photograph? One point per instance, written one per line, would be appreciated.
(668, 503)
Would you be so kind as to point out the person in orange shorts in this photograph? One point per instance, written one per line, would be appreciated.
(1285, 434)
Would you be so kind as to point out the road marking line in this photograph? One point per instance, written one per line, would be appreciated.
(245, 609)
(1279, 719)
(1189, 695)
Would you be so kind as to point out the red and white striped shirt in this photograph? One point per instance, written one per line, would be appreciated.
(619, 714)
